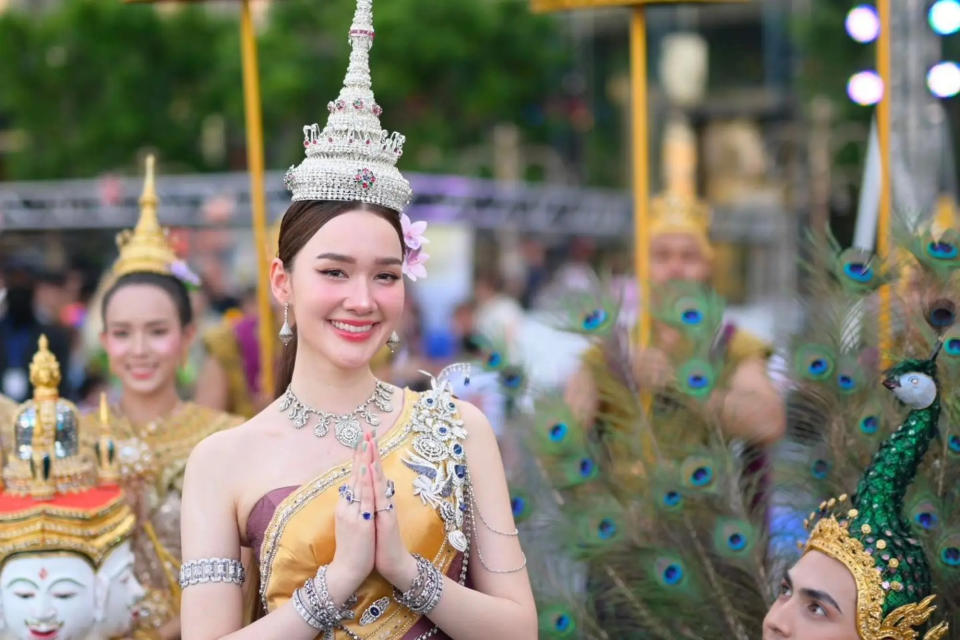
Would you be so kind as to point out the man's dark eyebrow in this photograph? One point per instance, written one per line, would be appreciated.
(815, 594)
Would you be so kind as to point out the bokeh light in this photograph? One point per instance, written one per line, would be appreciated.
(865, 88)
(944, 17)
(943, 79)
(863, 23)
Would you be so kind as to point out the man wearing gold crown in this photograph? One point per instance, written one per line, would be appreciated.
(66, 567)
(681, 258)
(147, 332)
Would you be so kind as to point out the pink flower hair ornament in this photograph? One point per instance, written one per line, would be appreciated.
(414, 265)
(182, 272)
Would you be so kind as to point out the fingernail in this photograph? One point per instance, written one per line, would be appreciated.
(364, 446)
(379, 468)
(363, 469)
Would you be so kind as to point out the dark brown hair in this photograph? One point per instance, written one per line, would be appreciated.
(300, 222)
(168, 284)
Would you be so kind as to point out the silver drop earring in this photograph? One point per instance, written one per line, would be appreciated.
(393, 342)
(286, 333)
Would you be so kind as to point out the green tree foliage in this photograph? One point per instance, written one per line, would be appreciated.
(444, 72)
(93, 81)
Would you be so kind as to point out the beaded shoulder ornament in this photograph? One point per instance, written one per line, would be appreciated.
(438, 457)
(872, 538)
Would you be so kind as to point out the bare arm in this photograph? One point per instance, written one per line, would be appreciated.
(581, 396)
(751, 407)
(501, 603)
(209, 530)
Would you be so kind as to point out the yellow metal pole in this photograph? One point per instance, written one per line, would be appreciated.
(641, 202)
(886, 186)
(641, 174)
(254, 123)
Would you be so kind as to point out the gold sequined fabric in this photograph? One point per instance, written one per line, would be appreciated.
(152, 459)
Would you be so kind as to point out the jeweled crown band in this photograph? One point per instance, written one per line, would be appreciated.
(211, 570)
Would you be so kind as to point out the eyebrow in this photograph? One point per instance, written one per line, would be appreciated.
(815, 594)
(339, 257)
(79, 584)
(123, 324)
(16, 580)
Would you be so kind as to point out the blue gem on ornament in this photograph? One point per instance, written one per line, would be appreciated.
(460, 470)
(457, 449)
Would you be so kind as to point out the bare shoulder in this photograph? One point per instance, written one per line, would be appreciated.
(224, 450)
(480, 436)
(473, 418)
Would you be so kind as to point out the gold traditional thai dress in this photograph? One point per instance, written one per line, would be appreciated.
(423, 453)
(151, 460)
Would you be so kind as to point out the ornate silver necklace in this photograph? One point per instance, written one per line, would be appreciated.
(346, 426)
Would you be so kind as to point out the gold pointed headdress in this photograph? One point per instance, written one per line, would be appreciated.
(147, 248)
(677, 209)
(52, 501)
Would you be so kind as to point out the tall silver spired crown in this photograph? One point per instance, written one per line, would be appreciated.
(353, 157)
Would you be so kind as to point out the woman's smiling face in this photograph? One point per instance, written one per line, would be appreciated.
(345, 288)
(143, 337)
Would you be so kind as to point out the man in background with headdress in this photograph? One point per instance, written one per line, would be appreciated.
(680, 251)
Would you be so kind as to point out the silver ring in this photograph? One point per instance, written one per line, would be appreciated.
(347, 494)
(391, 489)
(387, 508)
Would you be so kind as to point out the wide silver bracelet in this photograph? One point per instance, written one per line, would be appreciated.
(425, 590)
(314, 604)
(207, 570)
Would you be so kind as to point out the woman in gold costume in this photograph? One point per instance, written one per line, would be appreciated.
(364, 524)
(147, 330)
